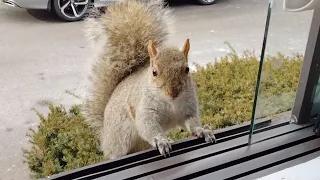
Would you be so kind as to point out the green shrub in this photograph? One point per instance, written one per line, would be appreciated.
(226, 88)
(63, 141)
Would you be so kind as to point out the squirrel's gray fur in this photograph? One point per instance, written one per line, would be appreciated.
(120, 37)
(140, 88)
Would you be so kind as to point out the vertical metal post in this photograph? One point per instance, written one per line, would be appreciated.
(308, 75)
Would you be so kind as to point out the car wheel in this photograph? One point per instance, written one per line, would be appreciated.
(70, 10)
(206, 2)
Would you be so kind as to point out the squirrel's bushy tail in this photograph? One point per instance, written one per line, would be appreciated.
(120, 35)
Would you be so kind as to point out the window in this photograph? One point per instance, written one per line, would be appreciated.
(286, 41)
(232, 43)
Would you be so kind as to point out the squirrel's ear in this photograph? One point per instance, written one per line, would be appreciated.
(152, 49)
(186, 47)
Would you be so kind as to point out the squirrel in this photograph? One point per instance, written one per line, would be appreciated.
(140, 88)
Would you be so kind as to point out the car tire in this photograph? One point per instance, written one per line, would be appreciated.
(70, 10)
(206, 2)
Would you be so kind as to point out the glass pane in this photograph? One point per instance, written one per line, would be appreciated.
(315, 110)
(316, 100)
(281, 63)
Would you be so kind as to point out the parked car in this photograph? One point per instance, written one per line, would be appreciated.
(69, 10)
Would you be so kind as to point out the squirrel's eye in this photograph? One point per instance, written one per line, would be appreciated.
(187, 69)
(154, 72)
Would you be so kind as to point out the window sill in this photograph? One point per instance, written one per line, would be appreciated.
(277, 145)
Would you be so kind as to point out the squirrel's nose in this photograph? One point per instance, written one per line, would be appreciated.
(174, 93)
(174, 96)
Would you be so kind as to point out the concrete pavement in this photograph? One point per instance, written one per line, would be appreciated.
(41, 57)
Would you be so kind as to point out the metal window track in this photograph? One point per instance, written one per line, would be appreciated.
(276, 145)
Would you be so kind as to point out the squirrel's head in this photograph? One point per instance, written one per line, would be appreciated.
(169, 68)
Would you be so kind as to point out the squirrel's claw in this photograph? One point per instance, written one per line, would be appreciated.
(207, 133)
(170, 141)
(163, 146)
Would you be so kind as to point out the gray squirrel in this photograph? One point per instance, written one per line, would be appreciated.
(140, 88)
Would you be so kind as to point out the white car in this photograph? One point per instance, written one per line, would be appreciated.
(69, 10)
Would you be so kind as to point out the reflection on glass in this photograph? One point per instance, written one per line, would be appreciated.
(281, 63)
(259, 71)
(315, 110)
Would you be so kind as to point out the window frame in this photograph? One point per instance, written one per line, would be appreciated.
(309, 74)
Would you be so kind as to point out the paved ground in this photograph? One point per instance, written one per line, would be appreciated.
(41, 57)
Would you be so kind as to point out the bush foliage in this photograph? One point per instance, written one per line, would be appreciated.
(226, 88)
(63, 141)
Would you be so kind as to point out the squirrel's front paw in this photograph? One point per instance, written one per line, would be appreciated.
(163, 145)
(207, 133)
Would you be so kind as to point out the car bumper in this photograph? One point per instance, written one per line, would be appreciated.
(103, 3)
(28, 4)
